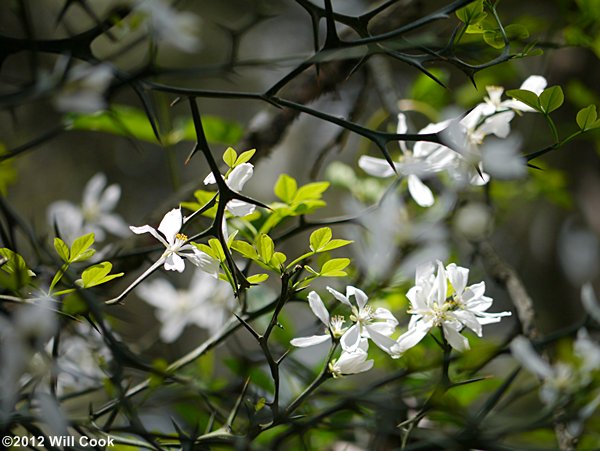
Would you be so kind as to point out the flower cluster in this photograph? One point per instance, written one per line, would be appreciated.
(461, 157)
(444, 300)
(365, 323)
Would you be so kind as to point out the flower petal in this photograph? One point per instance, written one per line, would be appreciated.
(109, 198)
(238, 177)
(377, 167)
(303, 342)
(318, 308)
(523, 352)
(339, 296)
(91, 192)
(171, 224)
(410, 338)
(240, 208)
(174, 262)
(455, 338)
(359, 295)
(420, 192)
(351, 338)
(458, 277)
(151, 230)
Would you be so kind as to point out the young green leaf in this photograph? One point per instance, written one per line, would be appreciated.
(265, 247)
(334, 267)
(14, 273)
(527, 97)
(334, 244)
(277, 260)
(217, 249)
(80, 249)
(311, 191)
(61, 249)
(285, 188)
(206, 249)
(319, 239)
(258, 278)
(472, 13)
(551, 99)
(97, 274)
(587, 118)
(229, 157)
(246, 249)
(245, 157)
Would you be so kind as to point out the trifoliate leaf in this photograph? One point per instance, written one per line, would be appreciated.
(61, 249)
(285, 188)
(334, 267)
(587, 118)
(97, 274)
(244, 157)
(319, 238)
(265, 247)
(80, 249)
(551, 99)
(229, 157)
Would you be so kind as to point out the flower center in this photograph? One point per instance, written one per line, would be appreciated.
(363, 316)
(181, 237)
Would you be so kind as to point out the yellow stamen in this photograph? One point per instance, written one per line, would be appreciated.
(181, 236)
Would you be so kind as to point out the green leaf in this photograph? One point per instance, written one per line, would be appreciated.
(229, 157)
(334, 267)
(14, 273)
(285, 188)
(61, 249)
(319, 238)
(8, 174)
(587, 118)
(551, 99)
(265, 247)
(334, 244)
(206, 249)
(246, 249)
(245, 157)
(80, 249)
(260, 404)
(74, 305)
(217, 249)
(277, 260)
(311, 191)
(527, 97)
(472, 13)
(97, 274)
(258, 278)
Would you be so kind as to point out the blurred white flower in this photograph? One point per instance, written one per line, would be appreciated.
(434, 305)
(85, 88)
(236, 180)
(333, 326)
(178, 29)
(578, 253)
(93, 215)
(376, 324)
(560, 380)
(176, 245)
(351, 362)
(502, 160)
(474, 220)
(208, 303)
(413, 164)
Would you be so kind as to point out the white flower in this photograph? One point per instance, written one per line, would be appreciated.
(431, 306)
(176, 245)
(236, 180)
(589, 301)
(333, 326)
(207, 303)
(176, 28)
(351, 362)
(93, 215)
(502, 160)
(535, 84)
(412, 164)
(84, 89)
(376, 324)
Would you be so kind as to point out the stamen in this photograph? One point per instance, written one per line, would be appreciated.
(181, 236)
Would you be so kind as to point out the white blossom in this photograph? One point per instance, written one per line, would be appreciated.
(208, 304)
(433, 305)
(176, 28)
(377, 324)
(94, 214)
(85, 88)
(176, 245)
(236, 180)
(334, 326)
(351, 362)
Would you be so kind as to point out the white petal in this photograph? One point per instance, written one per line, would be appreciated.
(534, 83)
(498, 124)
(303, 342)
(109, 198)
(523, 352)
(385, 315)
(174, 262)
(353, 362)
(91, 193)
(339, 296)
(151, 230)
(240, 208)
(171, 224)
(205, 262)
(441, 284)
(383, 342)
(454, 337)
(238, 177)
(410, 338)
(359, 295)
(458, 277)
(318, 308)
(351, 339)
(172, 328)
(420, 192)
(402, 128)
(158, 293)
(469, 320)
(377, 167)
(114, 224)
(589, 301)
(210, 179)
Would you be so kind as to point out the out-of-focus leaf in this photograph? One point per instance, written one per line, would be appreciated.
(14, 273)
